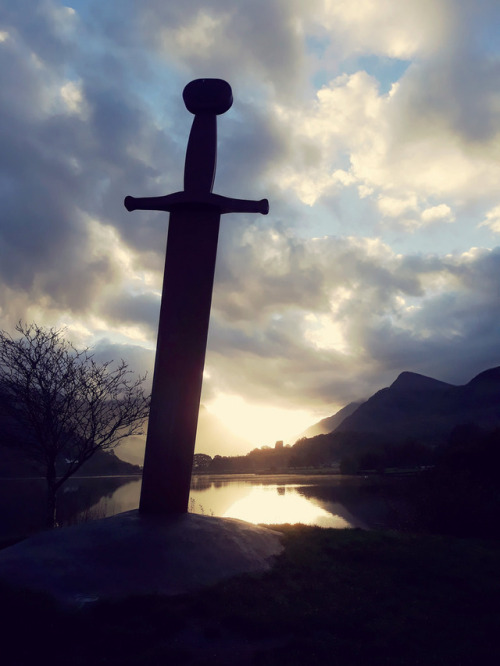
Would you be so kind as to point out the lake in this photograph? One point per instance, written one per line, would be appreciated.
(324, 500)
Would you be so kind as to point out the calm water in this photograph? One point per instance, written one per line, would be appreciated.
(270, 499)
(328, 501)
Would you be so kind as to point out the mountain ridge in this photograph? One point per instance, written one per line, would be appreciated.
(426, 409)
(413, 381)
(329, 423)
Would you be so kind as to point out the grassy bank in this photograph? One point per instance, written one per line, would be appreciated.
(342, 597)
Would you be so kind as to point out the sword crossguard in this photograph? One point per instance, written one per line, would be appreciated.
(206, 99)
(184, 200)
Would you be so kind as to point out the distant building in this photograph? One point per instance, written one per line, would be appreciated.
(279, 445)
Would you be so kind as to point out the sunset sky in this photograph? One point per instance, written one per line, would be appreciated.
(373, 128)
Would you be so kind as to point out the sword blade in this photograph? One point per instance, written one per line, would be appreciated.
(180, 358)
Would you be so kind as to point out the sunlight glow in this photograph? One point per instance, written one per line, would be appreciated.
(259, 424)
(324, 333)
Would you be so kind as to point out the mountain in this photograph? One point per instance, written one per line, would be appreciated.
(425, 409)
(330, 423)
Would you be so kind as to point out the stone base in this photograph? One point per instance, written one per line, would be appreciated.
(130, 554)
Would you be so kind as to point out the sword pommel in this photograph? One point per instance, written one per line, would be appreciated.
(208, 96)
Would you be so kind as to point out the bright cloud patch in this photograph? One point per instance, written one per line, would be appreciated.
(492, 220)
(441, 213)
(72, 95)
(392, 207)
(398, 30)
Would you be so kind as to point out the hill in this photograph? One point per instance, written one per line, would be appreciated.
(409, 423)
(14, 463)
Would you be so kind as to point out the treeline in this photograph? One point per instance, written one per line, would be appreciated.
(264, 459)
(348, 453)
(353, 453)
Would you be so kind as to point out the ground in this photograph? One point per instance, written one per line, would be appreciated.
(343, 597)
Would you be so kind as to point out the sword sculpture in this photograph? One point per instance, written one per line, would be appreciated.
(185, 306)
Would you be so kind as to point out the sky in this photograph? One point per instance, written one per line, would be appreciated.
(373, 128)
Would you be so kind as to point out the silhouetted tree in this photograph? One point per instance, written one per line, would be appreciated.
(67, 406)
(201, 462)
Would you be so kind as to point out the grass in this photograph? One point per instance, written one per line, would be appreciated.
(343, 597)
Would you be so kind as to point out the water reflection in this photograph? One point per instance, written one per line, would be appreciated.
(124, 498)
(22, 501)
(328, 501)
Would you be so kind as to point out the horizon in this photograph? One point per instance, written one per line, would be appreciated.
(265, 437)
(373, 131)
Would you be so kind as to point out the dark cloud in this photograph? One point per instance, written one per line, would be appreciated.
(257, 41)
(46, 27)
(61, 167)
(455, 88)
(140, 309)
(452, 332)
(251, 145)
(140, 360)
(455, 93)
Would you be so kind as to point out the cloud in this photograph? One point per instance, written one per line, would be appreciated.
(406, 148)
(370, 313)
(492, 220)
(398, 30)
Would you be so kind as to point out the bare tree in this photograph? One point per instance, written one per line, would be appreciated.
(67, 405)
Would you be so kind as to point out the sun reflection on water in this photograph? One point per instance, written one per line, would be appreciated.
(272, 504)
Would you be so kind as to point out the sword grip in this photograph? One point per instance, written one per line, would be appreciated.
(201, 155)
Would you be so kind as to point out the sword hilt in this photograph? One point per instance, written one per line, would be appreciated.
(206, 98)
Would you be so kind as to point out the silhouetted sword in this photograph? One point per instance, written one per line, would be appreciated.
(185, 306)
